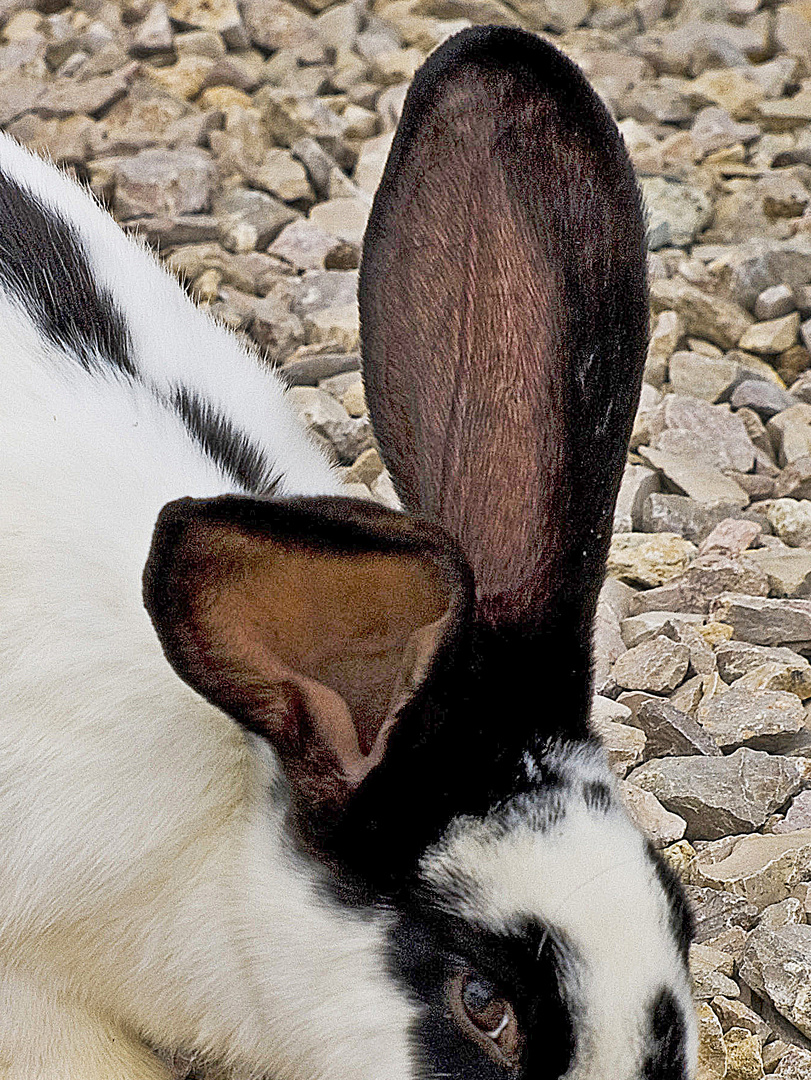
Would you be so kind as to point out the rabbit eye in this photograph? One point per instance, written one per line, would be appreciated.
(485, 1015)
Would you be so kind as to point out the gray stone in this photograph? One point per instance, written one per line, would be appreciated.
(798, 815)
(94, 96)
(691, 475)
(648, 624)
(702, 658)
(687, 517)
(749, 717)
(734, 1014)
(708, 377)
(790, 432)
(167, 182)
(308, 368)
(304, 245)
(714, 129)
(788, 570)
(273, 24)
(716, 911)
(722, 434)
(617, 596)
(712, 1056)
(274, 328)
(658, 824)
(624, 745)
(658, 666)
(637, 484)
(777, 964)
(676, 212)
(344, 218)
(671, 732)
(762, 397)
(155, 34)
(774, 302)
(709, 576)
(648, 559)
(738, 658)
(795, 480)
(794, 1063)
(731, 537)
(791, 520)
(722, 796)
(749, 268)
(320, 289)
(330, 420)
(708, 978)
(720, 321)
(764, 621)
(772, 337)
(607, 645)
(266, 215)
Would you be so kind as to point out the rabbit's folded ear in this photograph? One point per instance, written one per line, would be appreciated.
(311, 621)
(504, 318)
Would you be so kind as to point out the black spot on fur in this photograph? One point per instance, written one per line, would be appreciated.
(232, 450)
(597, 796)
(44, 267)
(667, 1029)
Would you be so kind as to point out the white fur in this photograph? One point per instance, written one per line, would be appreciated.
(146, 891)
(587, 876)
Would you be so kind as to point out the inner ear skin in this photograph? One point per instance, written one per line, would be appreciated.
(429, 947)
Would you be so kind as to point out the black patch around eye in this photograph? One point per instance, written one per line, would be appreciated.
(666, 1033)
(428, 948)
(43, 265)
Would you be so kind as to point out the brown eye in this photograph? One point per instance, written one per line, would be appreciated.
(486, 1016)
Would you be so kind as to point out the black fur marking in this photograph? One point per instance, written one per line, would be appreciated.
(597, 796)
(666, 1059)
(429, 947)
(43, 266)
(232, 450)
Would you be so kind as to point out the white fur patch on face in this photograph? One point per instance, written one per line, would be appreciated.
(583, 872)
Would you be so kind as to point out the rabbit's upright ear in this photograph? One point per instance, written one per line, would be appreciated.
(504, 319)
(310, 621)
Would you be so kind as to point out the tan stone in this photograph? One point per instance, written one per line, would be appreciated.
(712, 1055)
(649, 558)
(744, 1058)
(366, 469)
(764, 869)
(773, 336)
(339, 324)
(185, 78)
(344, 218)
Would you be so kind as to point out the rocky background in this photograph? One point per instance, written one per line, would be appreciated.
(245, 140)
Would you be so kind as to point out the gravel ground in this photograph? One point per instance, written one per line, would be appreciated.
(245, 140)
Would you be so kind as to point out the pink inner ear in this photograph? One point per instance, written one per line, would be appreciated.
(351, 637)
(358, 740)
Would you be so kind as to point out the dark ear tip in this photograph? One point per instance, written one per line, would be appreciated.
(524, 58)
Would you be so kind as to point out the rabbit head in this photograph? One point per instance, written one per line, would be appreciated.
(425, 677)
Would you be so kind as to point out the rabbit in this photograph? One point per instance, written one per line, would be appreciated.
(283, 786)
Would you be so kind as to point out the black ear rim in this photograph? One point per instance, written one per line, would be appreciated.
(320, 524)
